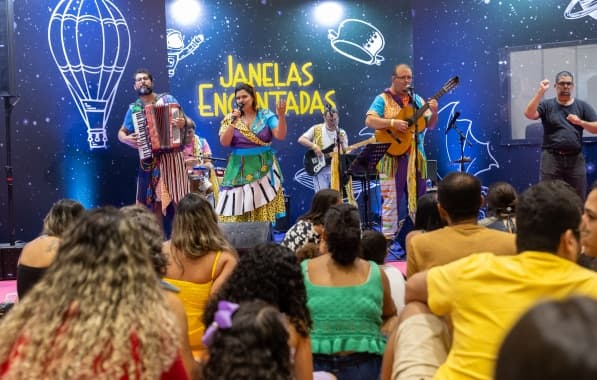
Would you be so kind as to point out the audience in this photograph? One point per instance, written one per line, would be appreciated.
(37, 255)
(459, 197)
(248, 342)
(200, 259)
(554, 340)
(152, 233)
(271, 273)
(427, 216)
(349, 299)
(588, 231)
(98, 313)
(309, 226)
(375, 249)
(501, 207)
(484, 294)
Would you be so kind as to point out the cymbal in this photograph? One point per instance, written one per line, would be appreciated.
(462, 160)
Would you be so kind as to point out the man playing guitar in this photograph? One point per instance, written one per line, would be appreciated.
(322, 138)
(397, 171)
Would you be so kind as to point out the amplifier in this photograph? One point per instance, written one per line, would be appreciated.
(9, 256)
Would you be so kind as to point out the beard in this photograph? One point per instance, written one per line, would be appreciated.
(144, 90)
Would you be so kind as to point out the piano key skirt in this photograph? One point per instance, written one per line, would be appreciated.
(251, 190)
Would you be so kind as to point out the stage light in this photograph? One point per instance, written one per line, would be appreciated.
(185, 12)
(328, 13)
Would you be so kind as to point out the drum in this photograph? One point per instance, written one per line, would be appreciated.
(199, 179)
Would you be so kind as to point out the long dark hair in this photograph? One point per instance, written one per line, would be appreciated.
(322, 201)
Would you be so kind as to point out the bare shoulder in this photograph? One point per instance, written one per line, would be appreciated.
(40, 252)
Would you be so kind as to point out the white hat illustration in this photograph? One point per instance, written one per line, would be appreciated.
(358, 40)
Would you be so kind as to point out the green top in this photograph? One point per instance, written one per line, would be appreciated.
(346, 318)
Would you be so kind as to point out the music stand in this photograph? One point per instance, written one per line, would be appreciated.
(365, 165)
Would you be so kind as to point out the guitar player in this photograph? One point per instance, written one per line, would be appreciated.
(323, 137)
(397, 171)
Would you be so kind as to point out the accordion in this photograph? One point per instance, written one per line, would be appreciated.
(155, 130)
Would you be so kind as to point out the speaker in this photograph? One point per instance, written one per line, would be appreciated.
(7, 79)
(9, 257)
(245, 235)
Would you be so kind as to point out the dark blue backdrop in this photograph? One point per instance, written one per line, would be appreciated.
(53, 159)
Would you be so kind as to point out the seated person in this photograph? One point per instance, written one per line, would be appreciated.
(271, 273)
(200, 259)
(484, 295)
(375, 249)
(588, 256)
(39, 253)
(99, 312)
(247, 341)
(349, 299)
(427, 216)
(501, 207)
(308, 227)
(552, 341)
(459, 200)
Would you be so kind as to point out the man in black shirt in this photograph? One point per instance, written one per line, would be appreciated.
(563, 119)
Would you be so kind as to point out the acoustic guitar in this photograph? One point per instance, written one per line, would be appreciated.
(314, 163)
(401, 141)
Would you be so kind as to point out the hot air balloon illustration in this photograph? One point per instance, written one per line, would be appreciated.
(90, 42)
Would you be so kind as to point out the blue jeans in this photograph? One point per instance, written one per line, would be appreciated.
(357, 366)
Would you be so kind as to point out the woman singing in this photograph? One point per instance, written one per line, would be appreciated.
(252, 186)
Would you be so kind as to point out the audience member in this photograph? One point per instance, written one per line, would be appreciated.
(501, 207)
(459, 197)
(375, 249)
(37, 255)
(153, 235)
(271, 273)
(588, 231)
(349, 298)
(247, 342)
(554, 340)
(484, 294)
(98, 313)
(309, 226)
(200, 259)
(427, 216)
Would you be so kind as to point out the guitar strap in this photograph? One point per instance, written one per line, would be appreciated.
(317, 135)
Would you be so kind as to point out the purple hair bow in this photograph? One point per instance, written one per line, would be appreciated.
(222, 320)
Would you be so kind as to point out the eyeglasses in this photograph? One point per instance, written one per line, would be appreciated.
(403, 77)
(141, 79)
(565, 84)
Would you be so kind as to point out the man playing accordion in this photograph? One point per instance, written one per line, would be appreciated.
(154, 125)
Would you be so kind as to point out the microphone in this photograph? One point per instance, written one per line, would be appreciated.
(411, 90)
(240, 107)
(452, 122)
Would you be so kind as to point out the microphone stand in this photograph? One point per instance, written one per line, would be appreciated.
(416, 158)
(462, 141)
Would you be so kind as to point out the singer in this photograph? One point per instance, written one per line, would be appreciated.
(251, 189)
(322, 139)
(398, 174)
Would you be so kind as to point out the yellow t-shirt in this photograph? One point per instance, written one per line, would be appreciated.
(486, 294)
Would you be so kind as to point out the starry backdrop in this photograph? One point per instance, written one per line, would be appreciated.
(291, 53)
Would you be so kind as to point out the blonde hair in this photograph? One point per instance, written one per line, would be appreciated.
(195, 230)
(98, 307)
